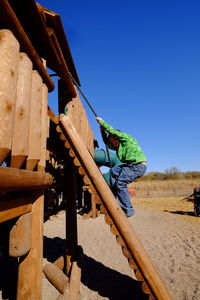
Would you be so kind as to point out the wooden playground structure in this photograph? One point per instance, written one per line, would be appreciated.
(47, 160)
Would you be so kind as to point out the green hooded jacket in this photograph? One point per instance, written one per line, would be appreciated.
(128, 151)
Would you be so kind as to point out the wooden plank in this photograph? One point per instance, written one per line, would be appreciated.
(9, 19)
(16, 179)
(13, 208)
(20, 236)
(9, 60)
(35, 122)
(44, 116)
(134, 246)
(29, 284)
(20, 144)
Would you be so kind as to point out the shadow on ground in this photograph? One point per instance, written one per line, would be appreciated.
(181, 212)
(108, 282)
(53, 248)
(105, 281)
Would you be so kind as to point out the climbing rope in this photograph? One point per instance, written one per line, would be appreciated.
(76, 84)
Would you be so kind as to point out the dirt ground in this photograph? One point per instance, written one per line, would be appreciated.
(170, 234)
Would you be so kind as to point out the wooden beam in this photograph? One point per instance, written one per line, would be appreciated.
(10, 20)
(57, 278)
(13, 208)
(16, 179)
(145, 266)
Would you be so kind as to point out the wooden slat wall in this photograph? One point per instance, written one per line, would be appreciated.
(23, 108)
(23, 134)
(77, 115)
(9, 60)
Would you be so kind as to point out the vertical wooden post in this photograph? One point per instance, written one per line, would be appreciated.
(42, 162)
(20, 143)
(71, 217)
(9, 59)
(30, 269)
(35, 122)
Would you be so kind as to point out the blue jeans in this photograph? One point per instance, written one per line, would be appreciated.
(120, 176)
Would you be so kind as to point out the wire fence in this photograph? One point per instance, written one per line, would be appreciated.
(162, 193)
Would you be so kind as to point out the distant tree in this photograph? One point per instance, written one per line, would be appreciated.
(172, 170)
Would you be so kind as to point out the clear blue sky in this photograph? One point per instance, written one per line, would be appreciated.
(139, 65)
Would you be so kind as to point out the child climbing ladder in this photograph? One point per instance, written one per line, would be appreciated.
(144, 269)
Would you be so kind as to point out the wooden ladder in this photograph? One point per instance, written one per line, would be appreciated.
(139, 261)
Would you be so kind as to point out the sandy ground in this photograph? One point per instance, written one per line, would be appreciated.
(168, 231)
